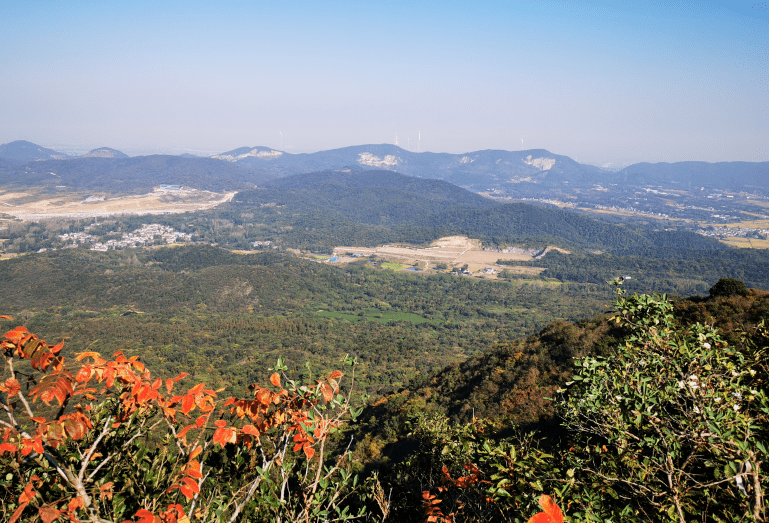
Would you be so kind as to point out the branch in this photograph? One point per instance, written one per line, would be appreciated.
(138, 434)
(21, 395)
(90, 452)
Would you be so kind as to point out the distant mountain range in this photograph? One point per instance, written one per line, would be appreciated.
(522, 172)
(22, 151)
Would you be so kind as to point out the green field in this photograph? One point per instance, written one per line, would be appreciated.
(375, 314)
(394, 266)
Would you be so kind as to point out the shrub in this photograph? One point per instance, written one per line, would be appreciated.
(103, 441)
(728, 287)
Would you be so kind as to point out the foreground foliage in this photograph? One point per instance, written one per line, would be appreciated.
(104, 441)
(666, 422)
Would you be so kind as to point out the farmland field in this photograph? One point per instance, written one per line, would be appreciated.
(374, 314)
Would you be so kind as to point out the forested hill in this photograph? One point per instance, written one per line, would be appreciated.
(320, 205)
(516, 381)
(697, 174)
(135, 175)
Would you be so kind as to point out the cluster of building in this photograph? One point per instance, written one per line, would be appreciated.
(630, 209)
(146, 235)
(736, 232)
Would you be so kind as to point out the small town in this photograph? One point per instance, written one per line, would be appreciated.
(150, 234)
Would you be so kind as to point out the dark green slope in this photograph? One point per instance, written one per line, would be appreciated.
(332, 200)
(135, 175)
(514, 381)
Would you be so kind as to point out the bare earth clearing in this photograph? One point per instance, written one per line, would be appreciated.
(29, 206)
(453, 251)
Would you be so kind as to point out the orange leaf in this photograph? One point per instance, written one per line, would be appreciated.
(12, 386)
(328, 394)
(57, 348)
(308, 451)
(27, 495)
(263, 396)
(250, 429)
(188, 403)
(275, 379)
(335, 375)
(48, 514)
(7, 447)
(17, 513)
(105, 491)
(4, 317)
(187, 491)
(196, 452)
(75, 503)
(551, 514)
(145, 516)
(192, 484)
(84, 355)
(84, 374)
(197, 389)
(220, 423)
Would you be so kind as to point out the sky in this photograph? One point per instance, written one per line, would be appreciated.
(599, 81)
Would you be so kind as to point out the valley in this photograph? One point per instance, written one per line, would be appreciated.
(467, 315)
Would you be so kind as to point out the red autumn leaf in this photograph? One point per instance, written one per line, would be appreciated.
(335, 375)
(551, 514)
(11, 386)
(192, 484)
(7, 447)
(275, 379)
(188, 403)
(75, 503)
(328, 393)
(17, 513)
(4, 317)
(84, 374)
(193, 470)
(145, 516)
(16, 334)
(264, 396)
(48, 514)
(196, 452)
(105, 491)
(308, 451)
(57, 348)
(225, 435)
(83, 355)
(187, 492)
(250, 429)
(220, 423)
(197, 389)
(27, 494)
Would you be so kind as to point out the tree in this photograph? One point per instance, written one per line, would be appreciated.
(103, 441)
(669, 423)
(728, 287)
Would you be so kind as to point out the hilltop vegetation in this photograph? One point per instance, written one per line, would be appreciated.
(656, 417)
(211, 311)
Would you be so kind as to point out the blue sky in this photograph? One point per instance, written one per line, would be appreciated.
(597, 81)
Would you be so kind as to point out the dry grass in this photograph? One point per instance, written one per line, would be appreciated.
(453, 251)
(29, 206)
(746, 243)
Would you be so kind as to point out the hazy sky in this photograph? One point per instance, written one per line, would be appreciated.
(597, 81)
